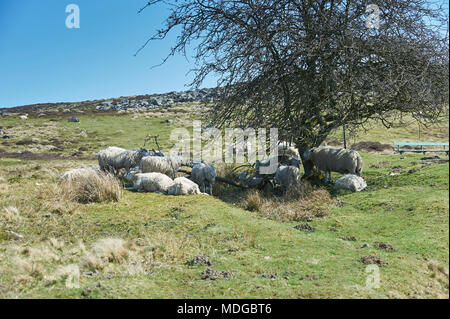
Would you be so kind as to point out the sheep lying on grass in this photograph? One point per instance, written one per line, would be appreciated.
(152, 182)
(204, 174)
(79, 171)
(89, 184)
(114, 158)
(285, 148)
(338, 160)
(287, 175)
(183, 186)
(168, 165)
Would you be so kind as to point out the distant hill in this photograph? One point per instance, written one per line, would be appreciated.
(148, 101)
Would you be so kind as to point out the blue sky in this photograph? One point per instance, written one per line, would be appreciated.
(43, 61)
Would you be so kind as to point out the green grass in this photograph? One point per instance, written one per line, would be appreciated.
(405, 205)
(411, 214)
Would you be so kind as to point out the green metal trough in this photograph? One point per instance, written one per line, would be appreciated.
(421, 149)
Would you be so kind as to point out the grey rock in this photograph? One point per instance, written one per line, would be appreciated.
(74, 119)
(350, 182)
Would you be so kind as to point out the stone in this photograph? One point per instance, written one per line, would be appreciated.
(350, 182)
(74, 119)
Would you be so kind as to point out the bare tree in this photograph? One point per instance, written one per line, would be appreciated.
(308, 67)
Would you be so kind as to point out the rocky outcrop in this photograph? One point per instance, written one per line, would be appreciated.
(143, 102)
(159, 100)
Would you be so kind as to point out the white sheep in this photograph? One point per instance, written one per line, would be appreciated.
(79, 172)
(286, 148)
(338, 160)
(204, 174)
(183, 186)
(152, 182)
(168, 165)
(115, 158)
(287, 175)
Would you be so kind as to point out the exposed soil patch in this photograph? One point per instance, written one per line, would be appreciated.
(411, 171)
(26, 142)
(371, 146)
(199, 261)
(212, 274)
(430, 162)
(370, 260)
(381, 164)
(309, 277)
(270, 276)
(305, 227)
(340, 203)
(40, 156)
(349, 238)
(384, 246)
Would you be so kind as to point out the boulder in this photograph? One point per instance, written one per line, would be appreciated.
(74, 119)
(350, 182)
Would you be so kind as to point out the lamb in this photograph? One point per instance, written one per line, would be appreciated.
(183, 186)
(286, 175)
(334, 160)
(204, 174)
(152, 182)
(286, 148)
(115, 158)
(168, 165)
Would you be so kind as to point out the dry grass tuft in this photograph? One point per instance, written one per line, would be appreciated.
(10, 214)
(105, 251)
(253, 201)
(53, 200)
(301, 202)
(92, 187)
(298, 190)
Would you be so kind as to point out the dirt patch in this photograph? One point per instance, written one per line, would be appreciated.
(398, 168)
(340, 203)
(381, 164)
(384, 246)
(199, 261)
(411, 171)
(212, 274)
(305, 227)
(370, 260)
(26, 142)
(270, 276)
(40, 156)
(349, 238)
(309, 277)
(371, 146)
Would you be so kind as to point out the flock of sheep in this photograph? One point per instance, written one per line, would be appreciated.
(151, 171)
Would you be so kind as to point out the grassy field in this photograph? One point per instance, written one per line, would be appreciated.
(143, 246)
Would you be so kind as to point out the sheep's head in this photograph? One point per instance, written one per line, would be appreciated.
(307, 163)
(307, 155)
(143, 152)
